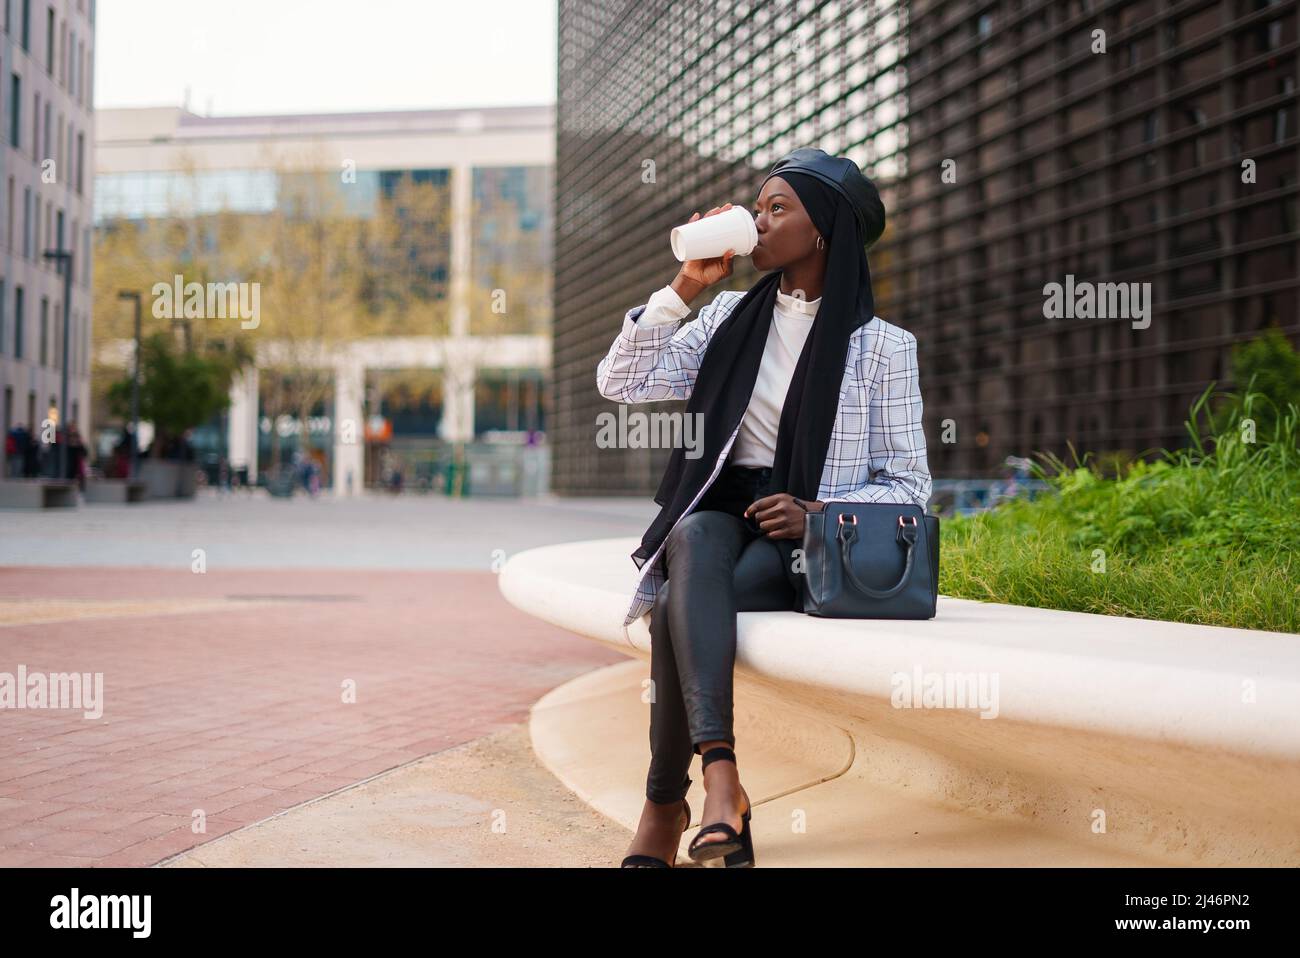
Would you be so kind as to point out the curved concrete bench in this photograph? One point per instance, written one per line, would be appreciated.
(1105, 740)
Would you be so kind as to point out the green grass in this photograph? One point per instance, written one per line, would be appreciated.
(1208, 534)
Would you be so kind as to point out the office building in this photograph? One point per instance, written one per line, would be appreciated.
(1015, 143)
(485, 242)
(47, 53)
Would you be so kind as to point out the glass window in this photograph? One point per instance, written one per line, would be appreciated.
(19, 322)
(146, 195)
(15, 109)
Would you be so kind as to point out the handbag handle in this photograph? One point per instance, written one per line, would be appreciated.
(848, 531)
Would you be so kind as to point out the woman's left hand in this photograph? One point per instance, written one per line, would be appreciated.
(780, 517)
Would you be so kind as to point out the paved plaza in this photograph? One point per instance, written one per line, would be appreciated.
(259, 654)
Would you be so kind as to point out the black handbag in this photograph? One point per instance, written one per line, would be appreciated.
(876, 560)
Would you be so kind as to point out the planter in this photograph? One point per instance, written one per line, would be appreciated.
(187, 479)
(168, 478)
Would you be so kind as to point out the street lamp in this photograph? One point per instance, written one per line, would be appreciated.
(64, 258)
(135, 385)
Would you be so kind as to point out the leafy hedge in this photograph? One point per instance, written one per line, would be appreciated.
(1209, 533)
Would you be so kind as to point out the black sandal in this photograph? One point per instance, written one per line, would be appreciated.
(649, 861)
(736, 850)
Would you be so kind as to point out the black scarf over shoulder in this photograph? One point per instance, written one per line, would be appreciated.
(846, 210)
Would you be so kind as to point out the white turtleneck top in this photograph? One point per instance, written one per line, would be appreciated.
(792, 318)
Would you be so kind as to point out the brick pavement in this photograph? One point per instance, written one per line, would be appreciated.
(223, 693)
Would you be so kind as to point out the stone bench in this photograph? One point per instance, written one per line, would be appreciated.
(37, 493)
(1110, 741)
(116, 490)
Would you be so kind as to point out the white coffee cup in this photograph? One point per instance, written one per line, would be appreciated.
(711, 236)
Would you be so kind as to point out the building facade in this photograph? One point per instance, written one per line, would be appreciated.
(491, 169)
(1016, 144)
(46, 202)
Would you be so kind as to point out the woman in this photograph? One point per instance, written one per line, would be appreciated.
(805, 397)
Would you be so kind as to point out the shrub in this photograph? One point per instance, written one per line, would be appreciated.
(1209, 533)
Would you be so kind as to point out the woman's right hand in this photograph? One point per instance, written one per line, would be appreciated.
(703, 273)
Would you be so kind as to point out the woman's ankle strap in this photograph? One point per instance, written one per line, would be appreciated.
(715, 753)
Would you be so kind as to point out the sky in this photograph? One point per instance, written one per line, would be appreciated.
(226, 57)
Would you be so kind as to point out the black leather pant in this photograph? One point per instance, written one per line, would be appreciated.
(718, 564)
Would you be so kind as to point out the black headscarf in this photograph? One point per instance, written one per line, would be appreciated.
(845, 208)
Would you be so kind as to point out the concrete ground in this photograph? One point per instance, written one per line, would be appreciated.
(253, 530)
(487, 802)
(341, 683)
(226, 689)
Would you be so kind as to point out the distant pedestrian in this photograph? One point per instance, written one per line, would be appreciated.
(120, 467)
(31, 454)
(15, 449)
(76, 464)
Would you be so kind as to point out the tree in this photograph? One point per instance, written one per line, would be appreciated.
(178, 390)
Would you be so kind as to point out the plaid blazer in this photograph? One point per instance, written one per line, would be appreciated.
(877, 446)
